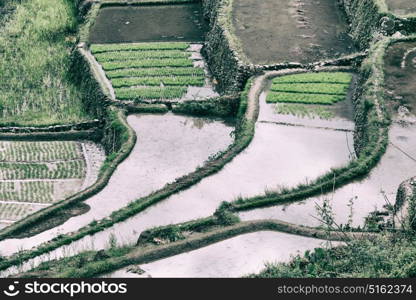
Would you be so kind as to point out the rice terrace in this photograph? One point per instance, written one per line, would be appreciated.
(207, 138)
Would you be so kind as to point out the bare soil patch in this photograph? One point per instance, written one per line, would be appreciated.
(400, 70)
(402, 7)
(291, 30)
(149, 24)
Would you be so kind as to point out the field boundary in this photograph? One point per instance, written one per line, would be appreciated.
(147, 254)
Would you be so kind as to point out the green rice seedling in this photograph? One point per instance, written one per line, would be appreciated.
(135, 55)
(148, 63)
(304, 111)
(312, 88)
(27, 191)
(150, 93)
(58, 170)
(324, 77)
(274, 97)
(147, 72)
(157, 81)
(38, 151)
(98, 48)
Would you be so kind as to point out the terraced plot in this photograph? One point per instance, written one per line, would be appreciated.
(151, 71)
(36, 174)
(311, 88)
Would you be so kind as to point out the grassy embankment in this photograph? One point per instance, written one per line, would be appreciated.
(35, 46)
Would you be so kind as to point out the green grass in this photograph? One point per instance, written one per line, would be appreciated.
(147, 72)
(135, 55)
(321, 77)
(382, 257)
(148, 93)
(157, 81)
(303, 111)
(312, 88)
(98, 48)
(274, 97)
(35, 46)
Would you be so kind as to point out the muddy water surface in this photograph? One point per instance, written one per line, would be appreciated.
(367, 195)
(234, 257)
(309, 30)
(181, 22)
(168, 146)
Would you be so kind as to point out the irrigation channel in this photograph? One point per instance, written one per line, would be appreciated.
(290, 147)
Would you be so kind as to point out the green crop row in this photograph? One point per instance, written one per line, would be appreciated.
(301, 110)
(27, 191)
(312, 88)
(167, 71)
(150, 93)
(158, 81)
(132, 55)
(321, 77)
(273, 97)
(59, 170)
(99, 48)
(148, 63)
(14, 212)
(38, 151)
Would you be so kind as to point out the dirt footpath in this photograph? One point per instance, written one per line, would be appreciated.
(275, 31)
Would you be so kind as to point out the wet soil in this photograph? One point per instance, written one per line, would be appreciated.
(402, 7)
(302, 31)
(179, 22)
(400, 70)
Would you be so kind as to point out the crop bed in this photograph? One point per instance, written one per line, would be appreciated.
(313, 88)
(35, 174)
(149, 71)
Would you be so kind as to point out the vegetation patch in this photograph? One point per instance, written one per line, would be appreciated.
(149, 71)
(309, 111)
(35, 47)
(386, 256)
(35, 172)
(311, 88)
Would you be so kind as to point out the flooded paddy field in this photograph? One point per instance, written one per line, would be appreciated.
(235, 257)
(401, 7)
(309, 30)
(168, 146)
(398, 164)
(366, 195)
(179, 22)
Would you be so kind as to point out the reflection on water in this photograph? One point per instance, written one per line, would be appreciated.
(234, 257)
(368, 194)
(168, 146)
